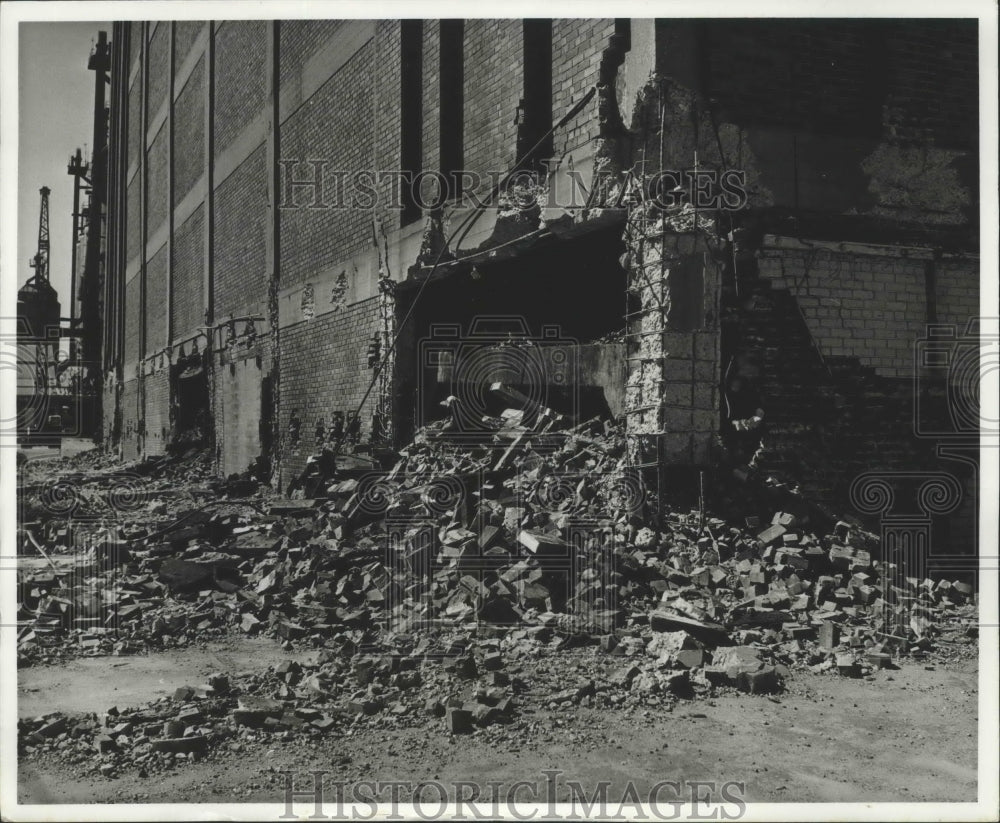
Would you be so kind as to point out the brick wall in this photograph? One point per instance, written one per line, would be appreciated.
(493, 88)
(241, 78)
(108, 400)
(806, 74)
(241, 214)
(934, 60)
(185, 34)
(156, 391)
(871, 307)
(189, 126)
(156, 302)
(135, 41)
(577, 45)
(324, 368)
(352, 121)
(159, 67)
(188, 272)
(133, 223)
(387, 105)
(957, 291)
(835, 76)
(237, 410)
(300, 40)
(158, 194)
(135, 120)
(130, 420)
(431, 148)
(338, 123)
(133, 307)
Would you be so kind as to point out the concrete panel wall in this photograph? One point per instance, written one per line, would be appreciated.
(238, 414)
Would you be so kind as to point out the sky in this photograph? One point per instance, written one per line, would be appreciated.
(55, 117)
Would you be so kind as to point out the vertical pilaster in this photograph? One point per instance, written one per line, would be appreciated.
(171, 67)
(143, 237)
(209, 221)
(272, 245)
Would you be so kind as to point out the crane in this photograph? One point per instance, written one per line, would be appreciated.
(40, 262)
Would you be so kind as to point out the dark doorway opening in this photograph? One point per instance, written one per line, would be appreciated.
(522, 322)
(191, 417)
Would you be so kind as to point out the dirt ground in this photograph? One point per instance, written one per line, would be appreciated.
(908, 734)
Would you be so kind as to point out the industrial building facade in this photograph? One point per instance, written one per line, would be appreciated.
(266, 246)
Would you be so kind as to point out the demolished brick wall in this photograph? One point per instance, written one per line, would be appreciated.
(672, 84)
(871, 306)
(833, 415)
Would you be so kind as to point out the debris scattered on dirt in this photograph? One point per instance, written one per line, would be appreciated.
(458, 588)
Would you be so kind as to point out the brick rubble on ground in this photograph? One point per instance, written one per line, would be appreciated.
(455, 588)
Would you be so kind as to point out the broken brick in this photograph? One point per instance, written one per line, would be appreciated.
(458, 721)
(187, 745)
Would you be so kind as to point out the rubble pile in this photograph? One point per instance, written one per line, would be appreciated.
(79, 532)
(531, 567)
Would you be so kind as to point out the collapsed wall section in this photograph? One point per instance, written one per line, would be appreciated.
(872, 303)
(670, 95)
(841, 374)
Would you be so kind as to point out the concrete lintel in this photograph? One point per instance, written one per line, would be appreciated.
(362, 277)
(773, 242)
(248, 141)
(157, 240)
(186, 69)
(190, 202)
(157, 121)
